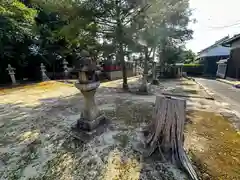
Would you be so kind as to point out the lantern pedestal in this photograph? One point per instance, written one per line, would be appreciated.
(92, 122)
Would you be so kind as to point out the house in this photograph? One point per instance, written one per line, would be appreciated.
(233, 64)
(212, 54)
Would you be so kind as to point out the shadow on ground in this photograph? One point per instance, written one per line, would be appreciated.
(36, 143)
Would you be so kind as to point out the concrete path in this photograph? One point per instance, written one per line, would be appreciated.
(222, 91)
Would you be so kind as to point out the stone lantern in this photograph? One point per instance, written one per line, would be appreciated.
(65, 68)
(43, 73)
(92, 121)
(12, 74)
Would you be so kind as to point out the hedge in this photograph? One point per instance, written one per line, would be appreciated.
(193, 69)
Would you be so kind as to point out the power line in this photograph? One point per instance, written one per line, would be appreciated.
(226, 26)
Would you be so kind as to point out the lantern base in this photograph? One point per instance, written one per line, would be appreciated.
(85, 131)
(87, 125)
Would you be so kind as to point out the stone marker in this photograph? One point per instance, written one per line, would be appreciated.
(12, 74)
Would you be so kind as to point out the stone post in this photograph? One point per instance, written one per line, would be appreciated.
(43, 72)
(12, 74)
(92, 121)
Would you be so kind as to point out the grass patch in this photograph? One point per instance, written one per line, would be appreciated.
(190, 91)
(184, 91)
(214, 145)
(186, 84)
(60, 167)
(45, 86)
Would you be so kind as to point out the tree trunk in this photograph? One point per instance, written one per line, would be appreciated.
(162, 58)
(119, 37)
(154, 71)
(135, 67)
(123, 65)
(143, 87)
(154, 78)
(53, 71)
(165, 133)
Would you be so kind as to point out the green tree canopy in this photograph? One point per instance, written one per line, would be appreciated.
(16, 22)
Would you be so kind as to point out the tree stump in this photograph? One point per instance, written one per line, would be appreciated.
(165, 133)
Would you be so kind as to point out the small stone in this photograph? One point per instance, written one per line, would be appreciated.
(1, 124)
(2, 163)
(227, 114)
(206, 176)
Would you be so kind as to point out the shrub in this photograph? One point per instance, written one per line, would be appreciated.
(193, 69)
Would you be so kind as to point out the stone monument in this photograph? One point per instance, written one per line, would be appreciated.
(12, 74)
(92, 122)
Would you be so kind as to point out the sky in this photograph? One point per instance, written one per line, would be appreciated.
(215, 20)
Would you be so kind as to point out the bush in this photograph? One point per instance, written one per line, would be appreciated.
(192, 65)
(193, 69)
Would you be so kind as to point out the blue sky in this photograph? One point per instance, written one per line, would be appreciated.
(215, 19)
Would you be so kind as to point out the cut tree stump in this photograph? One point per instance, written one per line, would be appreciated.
(165, 133)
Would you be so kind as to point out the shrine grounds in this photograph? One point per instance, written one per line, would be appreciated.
(36, 142)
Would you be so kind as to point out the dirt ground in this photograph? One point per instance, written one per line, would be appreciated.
(36, 144)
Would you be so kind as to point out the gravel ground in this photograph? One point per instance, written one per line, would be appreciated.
(36, 144)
